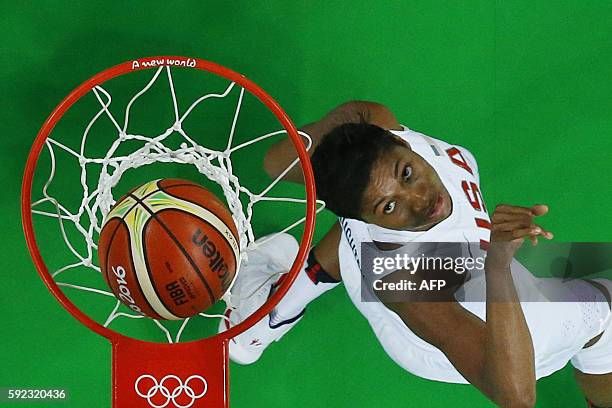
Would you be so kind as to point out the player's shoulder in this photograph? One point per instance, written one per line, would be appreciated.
(437, 146)
(354, 230)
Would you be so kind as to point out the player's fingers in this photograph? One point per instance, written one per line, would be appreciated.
(505, 208)
(506, 236)
(501, 218)
(539, 209)
(547, 234)
(535, 210)
(522, 232)
(542, 232)
(533, 231)
(521, 224)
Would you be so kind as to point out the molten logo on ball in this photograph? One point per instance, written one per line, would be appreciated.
(216, 262)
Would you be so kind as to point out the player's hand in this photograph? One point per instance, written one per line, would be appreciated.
(510, 225)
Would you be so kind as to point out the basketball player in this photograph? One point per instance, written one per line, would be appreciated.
(391, 185)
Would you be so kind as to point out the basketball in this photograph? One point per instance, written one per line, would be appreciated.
(169, 249)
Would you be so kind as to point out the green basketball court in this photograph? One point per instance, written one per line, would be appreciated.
(524, 85)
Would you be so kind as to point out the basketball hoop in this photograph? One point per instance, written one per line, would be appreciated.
(148, 374)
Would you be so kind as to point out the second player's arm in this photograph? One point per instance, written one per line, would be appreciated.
(282, 154)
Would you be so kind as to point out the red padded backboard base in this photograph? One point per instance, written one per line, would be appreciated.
(182, 375)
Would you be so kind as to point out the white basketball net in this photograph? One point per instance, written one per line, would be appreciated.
(96, 202)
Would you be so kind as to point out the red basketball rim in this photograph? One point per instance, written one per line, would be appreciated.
(149, 63)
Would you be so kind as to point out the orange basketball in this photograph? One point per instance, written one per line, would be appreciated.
(169, 249)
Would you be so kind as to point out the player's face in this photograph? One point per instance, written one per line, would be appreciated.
(405, 192)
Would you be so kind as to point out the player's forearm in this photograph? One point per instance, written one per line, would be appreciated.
(510, 366)
(282, 154)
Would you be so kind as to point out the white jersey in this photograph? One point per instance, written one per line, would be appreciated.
(558, 330)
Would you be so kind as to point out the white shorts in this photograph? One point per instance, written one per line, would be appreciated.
(597, 359)
(559, 330)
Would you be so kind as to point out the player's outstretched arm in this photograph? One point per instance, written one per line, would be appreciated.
(496, 356)
(281, 154)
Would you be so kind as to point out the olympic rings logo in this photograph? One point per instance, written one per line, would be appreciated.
(162, 389)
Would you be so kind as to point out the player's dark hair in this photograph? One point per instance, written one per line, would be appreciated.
(342, 163)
